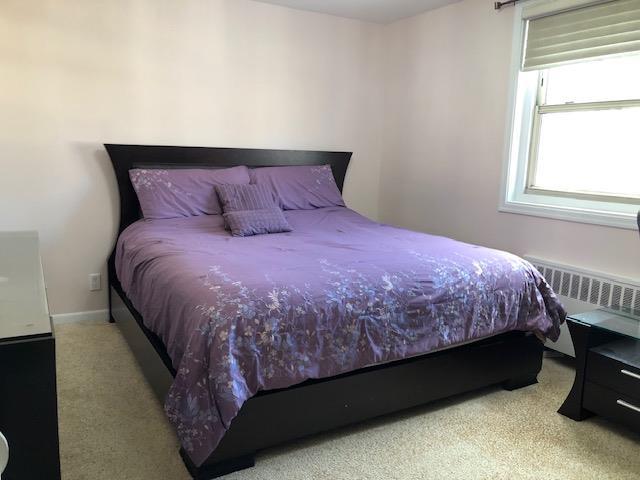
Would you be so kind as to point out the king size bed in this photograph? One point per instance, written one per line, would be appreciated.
(254, 341)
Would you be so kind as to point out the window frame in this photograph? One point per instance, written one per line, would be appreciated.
(526, 95)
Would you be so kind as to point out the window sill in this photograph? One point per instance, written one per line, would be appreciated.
(624, 218)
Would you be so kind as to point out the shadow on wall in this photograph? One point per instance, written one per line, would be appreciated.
(81, 244)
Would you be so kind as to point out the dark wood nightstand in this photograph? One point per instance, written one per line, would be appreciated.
(607, 383)
(28, 401)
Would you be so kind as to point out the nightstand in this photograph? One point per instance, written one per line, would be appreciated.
(28, 401)
(607, 383)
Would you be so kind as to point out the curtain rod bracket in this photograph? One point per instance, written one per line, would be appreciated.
(499, 5)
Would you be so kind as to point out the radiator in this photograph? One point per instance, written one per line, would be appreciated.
(581, 290)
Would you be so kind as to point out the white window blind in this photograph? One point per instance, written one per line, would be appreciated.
(608, 28)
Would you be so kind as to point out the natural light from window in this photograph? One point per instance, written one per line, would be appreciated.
(599, 80)
(588, 129)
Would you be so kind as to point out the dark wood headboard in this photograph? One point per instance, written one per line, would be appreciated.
(126, 157)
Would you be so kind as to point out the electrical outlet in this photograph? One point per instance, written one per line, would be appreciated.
(95, 282)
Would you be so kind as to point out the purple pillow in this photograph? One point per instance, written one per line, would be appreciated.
(245, 197)
(300, 187)
(251, 210)
(244, 223)
(183, 192)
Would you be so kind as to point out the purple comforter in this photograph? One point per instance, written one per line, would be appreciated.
(340, 292)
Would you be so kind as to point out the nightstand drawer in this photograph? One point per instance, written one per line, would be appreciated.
(612, 405)
(605, 366)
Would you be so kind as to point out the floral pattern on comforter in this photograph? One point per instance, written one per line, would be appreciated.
(340, 292)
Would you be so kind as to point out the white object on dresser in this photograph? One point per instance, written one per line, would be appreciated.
(4, 453)
(23, 298)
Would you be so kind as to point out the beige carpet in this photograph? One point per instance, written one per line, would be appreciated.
(112, 428)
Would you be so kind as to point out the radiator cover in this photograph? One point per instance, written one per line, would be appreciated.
(581, 290)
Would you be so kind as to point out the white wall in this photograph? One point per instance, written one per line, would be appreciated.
(78, 73)
(429, 94)
(446, 107)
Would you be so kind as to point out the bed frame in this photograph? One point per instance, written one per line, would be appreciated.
(512, 360)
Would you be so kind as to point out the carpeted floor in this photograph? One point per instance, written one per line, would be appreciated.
(113, 428)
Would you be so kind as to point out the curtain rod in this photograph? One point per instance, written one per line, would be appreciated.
(499, 5)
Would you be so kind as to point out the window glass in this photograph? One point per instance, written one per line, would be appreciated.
(594, 151)
(595, 81)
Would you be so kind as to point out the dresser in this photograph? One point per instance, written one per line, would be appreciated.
(607, 383)
(28, 401)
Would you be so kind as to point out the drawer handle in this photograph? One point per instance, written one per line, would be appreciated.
(630, 374)
(628, 405)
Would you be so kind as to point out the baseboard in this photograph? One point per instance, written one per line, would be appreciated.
(93, 316)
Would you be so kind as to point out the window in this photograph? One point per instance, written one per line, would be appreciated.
(586, 128)
(574, 144)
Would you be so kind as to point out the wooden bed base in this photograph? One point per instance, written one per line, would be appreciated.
(276, 416)
(272, 417)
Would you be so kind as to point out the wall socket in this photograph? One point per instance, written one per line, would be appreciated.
(95, 281)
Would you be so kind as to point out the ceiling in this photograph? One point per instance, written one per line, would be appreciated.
(379, 11)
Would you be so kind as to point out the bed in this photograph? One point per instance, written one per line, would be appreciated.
(349, 319)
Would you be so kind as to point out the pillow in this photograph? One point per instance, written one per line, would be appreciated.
(183, 192)
(251, 210)
(245, 197)
(244, 223)
(300, 187)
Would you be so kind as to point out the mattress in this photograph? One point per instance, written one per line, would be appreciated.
(340, 292)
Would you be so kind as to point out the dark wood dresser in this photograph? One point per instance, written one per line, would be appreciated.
(607, 383)
(612, 383)
(28, 401)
